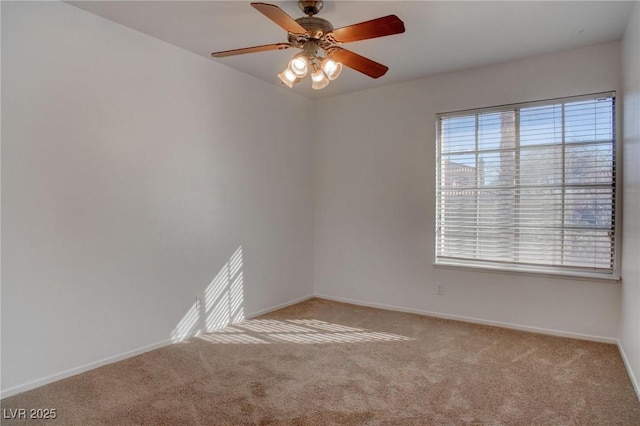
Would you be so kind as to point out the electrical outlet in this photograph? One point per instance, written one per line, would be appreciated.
(197, 303)
(440, 289)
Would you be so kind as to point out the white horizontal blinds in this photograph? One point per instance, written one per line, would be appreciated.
(530, 184)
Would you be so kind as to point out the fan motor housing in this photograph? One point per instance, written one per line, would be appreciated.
(316, 27)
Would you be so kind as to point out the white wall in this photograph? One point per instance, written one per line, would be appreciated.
(132, 170)
(630, 318)
(374, 198)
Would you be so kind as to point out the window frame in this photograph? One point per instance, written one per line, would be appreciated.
(524, 269)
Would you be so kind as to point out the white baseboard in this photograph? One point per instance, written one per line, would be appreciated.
(77, 370)
(6, 393)
(548, 331)
(280, 306)
(627, 365)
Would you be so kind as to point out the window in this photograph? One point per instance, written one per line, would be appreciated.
(529, 187)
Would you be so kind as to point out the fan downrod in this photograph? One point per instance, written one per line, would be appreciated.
(310, 8)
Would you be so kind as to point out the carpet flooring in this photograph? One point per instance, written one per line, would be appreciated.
(322, 362)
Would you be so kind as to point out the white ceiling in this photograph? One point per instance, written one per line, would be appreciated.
(440, 36)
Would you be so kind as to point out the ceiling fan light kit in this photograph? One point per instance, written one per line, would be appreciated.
(321, 53)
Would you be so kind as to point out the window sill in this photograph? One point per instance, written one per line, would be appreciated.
(565, 275)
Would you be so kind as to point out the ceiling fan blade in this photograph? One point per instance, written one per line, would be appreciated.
(255, 49)
(280, 17)
(357, 62)
(387, 25)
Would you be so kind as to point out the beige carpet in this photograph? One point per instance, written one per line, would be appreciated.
(322, 362)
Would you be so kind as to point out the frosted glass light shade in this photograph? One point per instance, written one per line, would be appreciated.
(319, 80)
(299, 66)
(288, 77)
(331, 68)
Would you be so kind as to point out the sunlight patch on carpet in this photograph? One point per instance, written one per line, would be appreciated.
(301, 331)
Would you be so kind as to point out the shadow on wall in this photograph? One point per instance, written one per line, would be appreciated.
(223, 302)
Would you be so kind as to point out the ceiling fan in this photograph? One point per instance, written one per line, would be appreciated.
(320, 43)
